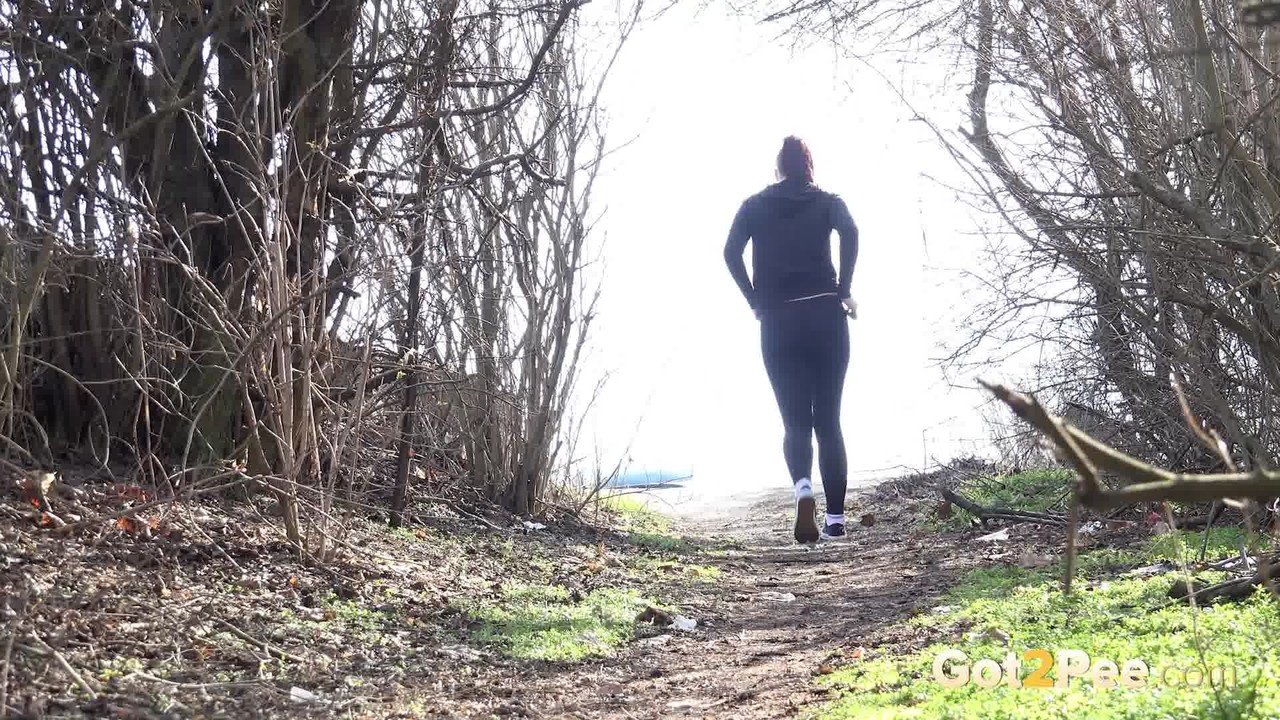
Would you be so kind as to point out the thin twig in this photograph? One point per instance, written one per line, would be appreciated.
(1073, 528)
(14, 626)
(62, 660)
(266, 646)
(194, 686)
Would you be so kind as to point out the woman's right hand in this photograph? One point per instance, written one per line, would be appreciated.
(850, 307)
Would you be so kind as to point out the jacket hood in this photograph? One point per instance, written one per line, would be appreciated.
(789, 198)
(792, 190)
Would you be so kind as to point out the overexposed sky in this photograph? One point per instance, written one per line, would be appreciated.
(704, 99)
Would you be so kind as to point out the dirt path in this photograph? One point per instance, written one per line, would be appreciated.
(780, 614)
(221, 620)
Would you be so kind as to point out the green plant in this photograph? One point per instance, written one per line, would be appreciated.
(997, 610)
(547, 622)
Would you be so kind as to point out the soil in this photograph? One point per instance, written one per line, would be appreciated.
(200, 611)
(782, 615)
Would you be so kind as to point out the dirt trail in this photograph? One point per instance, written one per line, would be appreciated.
(222, 621)
(780, 613)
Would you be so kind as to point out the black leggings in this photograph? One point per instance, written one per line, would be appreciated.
(806, 353)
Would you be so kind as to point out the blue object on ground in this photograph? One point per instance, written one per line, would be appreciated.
(649, 479)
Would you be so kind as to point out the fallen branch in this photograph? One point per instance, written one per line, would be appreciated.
(1237, 588)
(1233, 562)
(4, 674)
(1194, 523)
(255, 642)
(1234, 589)
(984, 514)
(43, 647)
(196, 686)
(14, 625)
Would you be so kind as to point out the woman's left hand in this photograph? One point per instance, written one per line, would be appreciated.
(850, 307)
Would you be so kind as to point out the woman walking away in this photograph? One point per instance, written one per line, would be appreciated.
(801, 303)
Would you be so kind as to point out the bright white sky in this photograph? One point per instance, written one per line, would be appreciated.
(708, 99)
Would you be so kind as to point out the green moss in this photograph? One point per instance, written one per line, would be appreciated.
(997, 610)
(625, 504)
(542, 622)
(633, 515)
(346, 617)
(357, 616)
(646, 568)
(115, 667)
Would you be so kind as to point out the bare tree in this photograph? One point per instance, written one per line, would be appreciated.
(262, 241)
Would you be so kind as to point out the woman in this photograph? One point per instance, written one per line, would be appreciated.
(801, 303)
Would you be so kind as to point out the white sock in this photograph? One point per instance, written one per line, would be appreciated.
(803, 489)
(835, 519)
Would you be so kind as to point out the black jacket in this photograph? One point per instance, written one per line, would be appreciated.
(789, 225)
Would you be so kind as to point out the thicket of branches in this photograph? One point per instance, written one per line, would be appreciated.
(1134, 146)
(1137, 151)
(311, 246)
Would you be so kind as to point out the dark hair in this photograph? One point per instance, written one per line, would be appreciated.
(794, 160)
